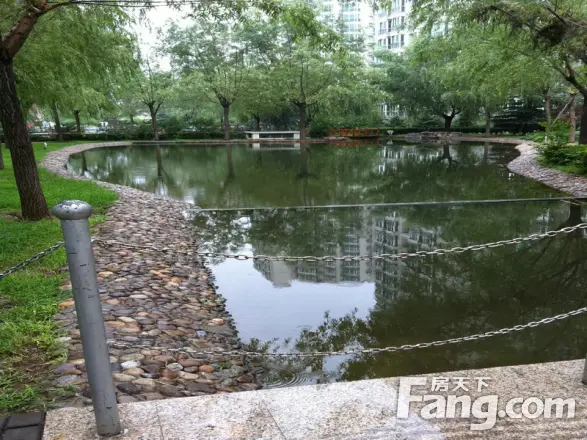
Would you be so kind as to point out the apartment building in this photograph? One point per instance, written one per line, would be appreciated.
(392, 26)
(355, 20)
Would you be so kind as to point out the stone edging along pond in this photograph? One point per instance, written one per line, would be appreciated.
(527, 165)
(152, 299)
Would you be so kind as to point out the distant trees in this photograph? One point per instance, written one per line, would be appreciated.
(152, 88)
(17, 21)
(553, 34)
(219, 58)
(265, 63)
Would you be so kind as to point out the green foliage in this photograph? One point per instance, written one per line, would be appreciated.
(74, 59)
(520, 115)
(571, 159)
(555, 136)
(556, 152)
(552, 38)
(172, 126)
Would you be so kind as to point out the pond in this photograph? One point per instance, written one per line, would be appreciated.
(331, 306)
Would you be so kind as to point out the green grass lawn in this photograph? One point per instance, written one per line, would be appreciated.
(29, 298)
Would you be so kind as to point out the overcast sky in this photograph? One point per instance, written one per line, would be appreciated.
(146, 30)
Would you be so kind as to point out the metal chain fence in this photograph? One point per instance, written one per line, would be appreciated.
(30, 260)
(402, 255)
(393, 349)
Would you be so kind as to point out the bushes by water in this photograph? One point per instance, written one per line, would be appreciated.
(556, 152)
(571, 158)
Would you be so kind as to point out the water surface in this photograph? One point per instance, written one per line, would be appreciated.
(339, 305)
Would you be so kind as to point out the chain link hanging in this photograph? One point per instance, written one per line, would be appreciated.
(31, 260)
(393, 349)
(402, 255)
(311, 258)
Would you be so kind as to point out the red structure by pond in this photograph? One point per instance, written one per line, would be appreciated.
(354, 133)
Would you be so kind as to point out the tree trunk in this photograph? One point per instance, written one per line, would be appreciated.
(573, 119)
(154, 123)
(78, 123)
(226, 120)
(57, 122)
(32, 201)
(302, 120)
(132, 119)
(448, 121)
(547, 103)
(487, 124)
(1, 157)
(583, 132)
(258, 122)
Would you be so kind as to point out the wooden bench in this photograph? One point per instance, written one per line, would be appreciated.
(272, 134)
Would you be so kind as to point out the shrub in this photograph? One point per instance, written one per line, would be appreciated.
(172, 126)
(555, 135)
(572, 158)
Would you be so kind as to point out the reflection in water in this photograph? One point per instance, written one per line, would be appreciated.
(374, 303)
(377, 303)
(293, 174)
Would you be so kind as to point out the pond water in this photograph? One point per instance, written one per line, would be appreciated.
(329, 306)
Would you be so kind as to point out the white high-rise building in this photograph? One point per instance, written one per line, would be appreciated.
(392, 27)
(355, 20)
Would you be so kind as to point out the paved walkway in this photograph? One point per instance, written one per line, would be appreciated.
(22, 426)
(346, 411)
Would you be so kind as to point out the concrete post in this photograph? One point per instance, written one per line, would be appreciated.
(74, 217)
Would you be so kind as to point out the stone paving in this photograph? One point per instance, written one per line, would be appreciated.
(527, 165)
(22, 426)
(156, 300)
(361, 410)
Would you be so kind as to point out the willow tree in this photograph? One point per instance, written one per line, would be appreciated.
(554, 32)
(152, 88)
(17, 21)
(217, 56)
(57, 72)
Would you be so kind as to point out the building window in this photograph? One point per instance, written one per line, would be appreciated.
(402, 40)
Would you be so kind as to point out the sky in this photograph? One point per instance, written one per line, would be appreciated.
(146, 29)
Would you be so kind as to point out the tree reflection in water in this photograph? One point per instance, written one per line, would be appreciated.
(429, 298)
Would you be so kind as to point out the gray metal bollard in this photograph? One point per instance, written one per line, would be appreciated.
(74, 216)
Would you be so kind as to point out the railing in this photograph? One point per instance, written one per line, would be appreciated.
(354, 132)
(74, 217)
